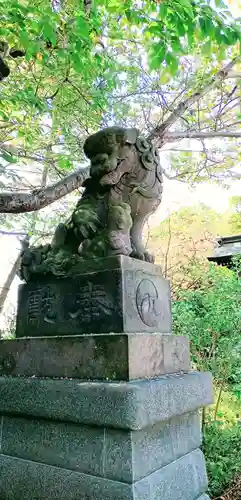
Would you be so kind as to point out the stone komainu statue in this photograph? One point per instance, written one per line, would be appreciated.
(124, 188)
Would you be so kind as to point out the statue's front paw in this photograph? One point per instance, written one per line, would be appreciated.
(85, 222)
(137, 255)
(146, 256)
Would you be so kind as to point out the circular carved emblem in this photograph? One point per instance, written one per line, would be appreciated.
(148, 304)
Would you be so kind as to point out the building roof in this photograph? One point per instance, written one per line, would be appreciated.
(226, 248)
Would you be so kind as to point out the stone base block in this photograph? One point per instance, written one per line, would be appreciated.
(126, 405)
(183, 479)
(118, 294)
(96, 357)
(120, 455)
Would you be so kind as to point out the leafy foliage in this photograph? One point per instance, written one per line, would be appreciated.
(210, 317)
(56, 32)
(78, 65)
(235, 218)
(222, 448)
(183, 241)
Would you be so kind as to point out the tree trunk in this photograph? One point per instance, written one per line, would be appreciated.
(19, 202)
(6, 287)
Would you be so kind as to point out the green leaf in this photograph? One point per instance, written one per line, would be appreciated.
(163, 10)
(77, 62)
(172, 63)
(64, 163)
(220, 4)
(23, 38)
(132, 16)
(99, 59)
(48, 31)
(176, 46)
(8, 157)
(181, 28)
(113, 6)
(33, 48)
(231, 36)
(156, 55)
(83, 27)
(164, 77)
(154, 28)
(207, 48)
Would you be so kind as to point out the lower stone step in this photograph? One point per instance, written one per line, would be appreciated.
(116, 454)
(183, 479)
(125, 405)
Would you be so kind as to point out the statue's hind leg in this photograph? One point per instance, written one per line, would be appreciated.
(141, 208)
(138, 249)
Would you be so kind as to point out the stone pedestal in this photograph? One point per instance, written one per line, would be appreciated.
(119, 295)
(71, 439)
(111, 416)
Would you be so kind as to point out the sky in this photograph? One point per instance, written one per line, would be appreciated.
(235, 7)
(177, 194)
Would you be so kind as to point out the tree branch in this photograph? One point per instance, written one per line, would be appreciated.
(174, 136)
(20, 202)
(158, 133)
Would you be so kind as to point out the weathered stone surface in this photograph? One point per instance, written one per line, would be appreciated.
(66, 445)
(184, 479)
(126, 456)
(96, 357)
(126, 405)
(123, 189)
(150, 449)
(204, 497)
(123, 295)
(23, 479)
(153, 355)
